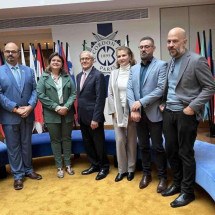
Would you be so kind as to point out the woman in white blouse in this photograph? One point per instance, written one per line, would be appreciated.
(125, 130)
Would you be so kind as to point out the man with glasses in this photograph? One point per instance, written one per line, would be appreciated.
(189, 86)
(91, 95)
(17, 100)
(144, 92)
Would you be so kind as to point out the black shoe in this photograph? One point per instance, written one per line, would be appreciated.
(120, 176)
(182, 200)
(146, 179)
(162, 185)
(18, 184)
(130, 176)
(34, 175)
(170, 191)
(102, 174)
(91, 170)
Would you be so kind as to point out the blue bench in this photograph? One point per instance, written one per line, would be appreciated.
(204, 153)
(41, 145)
(205, 166)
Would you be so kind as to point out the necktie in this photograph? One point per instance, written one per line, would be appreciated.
(83, 79)
(17, 75)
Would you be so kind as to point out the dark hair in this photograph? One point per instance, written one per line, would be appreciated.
(147, 38)
(54, 54)
(129, 52)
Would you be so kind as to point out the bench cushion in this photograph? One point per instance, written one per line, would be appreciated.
(205, 166)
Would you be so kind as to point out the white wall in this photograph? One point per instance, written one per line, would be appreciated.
(75, 35)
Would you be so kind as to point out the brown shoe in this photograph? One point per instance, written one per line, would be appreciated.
(162, 185)
(146, 179)
(18, 184)
(34, 175)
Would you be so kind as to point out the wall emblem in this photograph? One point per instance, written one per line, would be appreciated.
(104, 51)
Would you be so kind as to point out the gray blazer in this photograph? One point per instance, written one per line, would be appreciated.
(195, 84)
(152, 88)
(114, 103)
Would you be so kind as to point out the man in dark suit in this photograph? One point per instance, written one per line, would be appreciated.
(17, 99)
(91, 97)
(189, 85)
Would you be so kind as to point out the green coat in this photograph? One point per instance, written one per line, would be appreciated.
(47, 94)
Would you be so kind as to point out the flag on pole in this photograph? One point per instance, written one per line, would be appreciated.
(198, 47)
(69, 63)
(39, 121)
(1, 63)
(1, 58)
(57, 47)
(32, 62)
(40, 63)
(22, 54)
(211, 65)
(72, 75)
(64, 57)
(126, 41)
(204, 54)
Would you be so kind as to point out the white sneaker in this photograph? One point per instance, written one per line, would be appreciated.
(60, 173)
(69, 170)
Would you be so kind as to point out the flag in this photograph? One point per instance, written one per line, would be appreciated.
(210, 63)
(1, 63)
(39, 121)
(1, 58)
(203, 45)
(40, 63)
(126, 41)
(57, 47)
(72, 75)
(198, 48)
(34, 55)
(69, 63)
(62, 54)
(210, 57)
(204, 54)
(32, 62)
(22, 54)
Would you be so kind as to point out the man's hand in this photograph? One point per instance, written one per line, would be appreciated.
(161, 107)
(63, 111)
(136, 106)
(135, 116)
(189, 111)
(24, 111)
(94, 125)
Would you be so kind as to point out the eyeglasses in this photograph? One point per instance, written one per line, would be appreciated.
(12, 52)
(85, 59)
(144, 47)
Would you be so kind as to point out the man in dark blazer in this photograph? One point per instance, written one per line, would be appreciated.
(17, 100)
(91, 97)
(189, 85)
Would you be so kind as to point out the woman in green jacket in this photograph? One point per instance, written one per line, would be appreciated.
(57, 93)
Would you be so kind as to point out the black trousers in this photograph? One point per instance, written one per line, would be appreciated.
(146, 130)
(180, 132)
(94, 143)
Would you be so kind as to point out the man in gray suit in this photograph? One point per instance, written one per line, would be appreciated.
(189, 85)
(18, 98)
(144, 92)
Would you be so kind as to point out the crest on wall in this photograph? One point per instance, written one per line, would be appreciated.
(104, 48)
